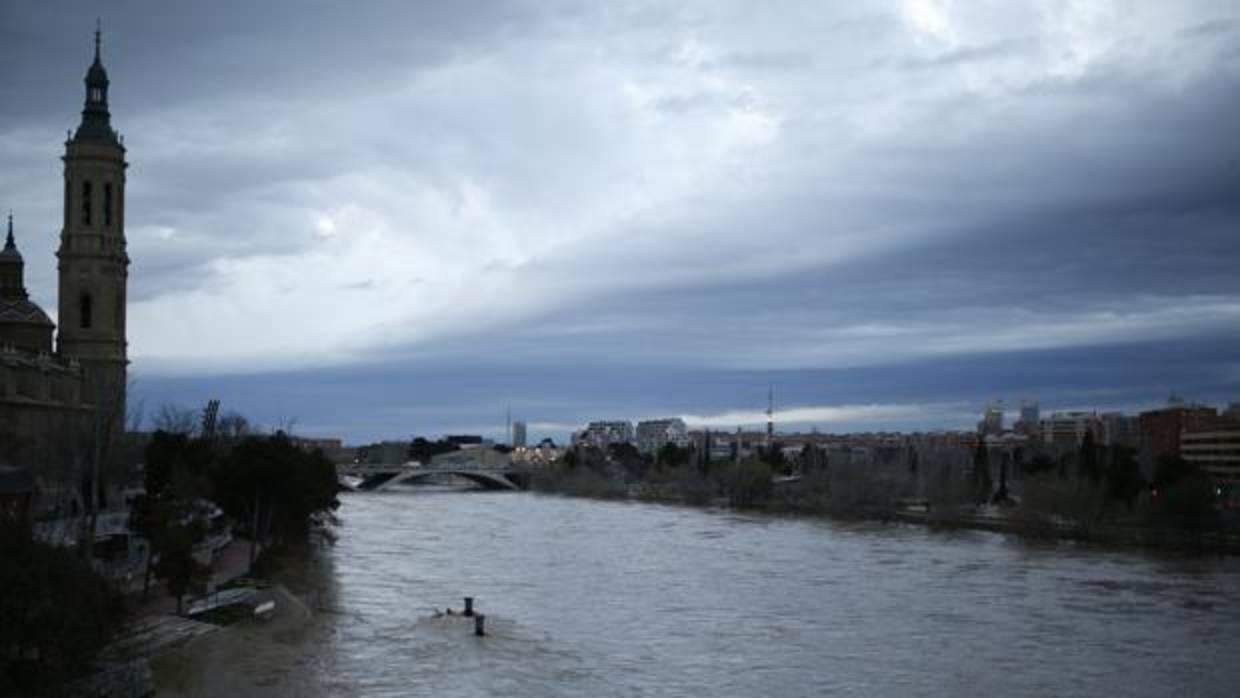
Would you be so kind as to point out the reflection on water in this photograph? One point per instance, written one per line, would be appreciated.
(592, 598)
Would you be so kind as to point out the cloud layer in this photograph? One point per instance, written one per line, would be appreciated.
(701, 186)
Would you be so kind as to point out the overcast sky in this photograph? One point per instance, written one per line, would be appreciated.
(387, 218)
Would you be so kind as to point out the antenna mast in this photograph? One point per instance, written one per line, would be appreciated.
(770, 415)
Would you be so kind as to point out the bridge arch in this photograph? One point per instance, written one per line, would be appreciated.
(379, 477)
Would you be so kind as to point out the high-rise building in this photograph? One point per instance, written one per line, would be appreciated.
(518, 434)
(1030, 418)
(992, 419)
(1161, 428)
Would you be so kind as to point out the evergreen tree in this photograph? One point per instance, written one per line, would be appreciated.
(1123, 476)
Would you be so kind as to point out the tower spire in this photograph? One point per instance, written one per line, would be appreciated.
(12, 282)
(96, 121)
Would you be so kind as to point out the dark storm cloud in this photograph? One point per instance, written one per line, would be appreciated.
(445, 396)
(202, 51)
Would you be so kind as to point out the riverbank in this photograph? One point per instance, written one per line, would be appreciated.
(1118, 535)
(818, 504)
(249, 658)
(223, 650)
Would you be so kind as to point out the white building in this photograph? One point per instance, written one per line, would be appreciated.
(602, 434)
(1216, 450)
(1068, 429)
(518, 434)
(654, 434)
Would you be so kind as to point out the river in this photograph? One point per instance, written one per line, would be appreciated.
(588, 598)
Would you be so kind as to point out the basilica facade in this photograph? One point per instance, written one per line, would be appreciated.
(56, 383)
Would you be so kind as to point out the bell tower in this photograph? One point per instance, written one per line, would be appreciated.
(93, 263)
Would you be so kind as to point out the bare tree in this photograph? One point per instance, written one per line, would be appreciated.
(232, 426)
(175, 419)
(287, 424)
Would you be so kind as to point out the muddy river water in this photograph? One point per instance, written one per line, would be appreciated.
(587, 598)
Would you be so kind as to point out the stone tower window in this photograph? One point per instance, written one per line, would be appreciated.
(107, 204)
(86, 203)
(84, 311)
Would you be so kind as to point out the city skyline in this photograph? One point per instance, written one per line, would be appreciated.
(684, 207)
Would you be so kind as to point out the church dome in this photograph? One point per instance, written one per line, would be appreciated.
(22, 311)
(23, 324)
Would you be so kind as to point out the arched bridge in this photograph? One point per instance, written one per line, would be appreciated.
(371, 477)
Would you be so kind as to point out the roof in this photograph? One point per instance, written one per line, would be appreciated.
(22, 311)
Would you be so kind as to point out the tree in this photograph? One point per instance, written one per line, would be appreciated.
(707, 443)
(173, 454)
(1123, 476)
(146, 519)
(629, 459)
(175, 420)
(1087, 461)
(56, 612)
(981, 473)
(232, 426)
(282, 491)
(672, 456)
(1040, 463)
(1169, 470)
(1001, 495)
(177, 567)
(1190, 503)
(773, 455)
(423, 450)
(749, 483)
